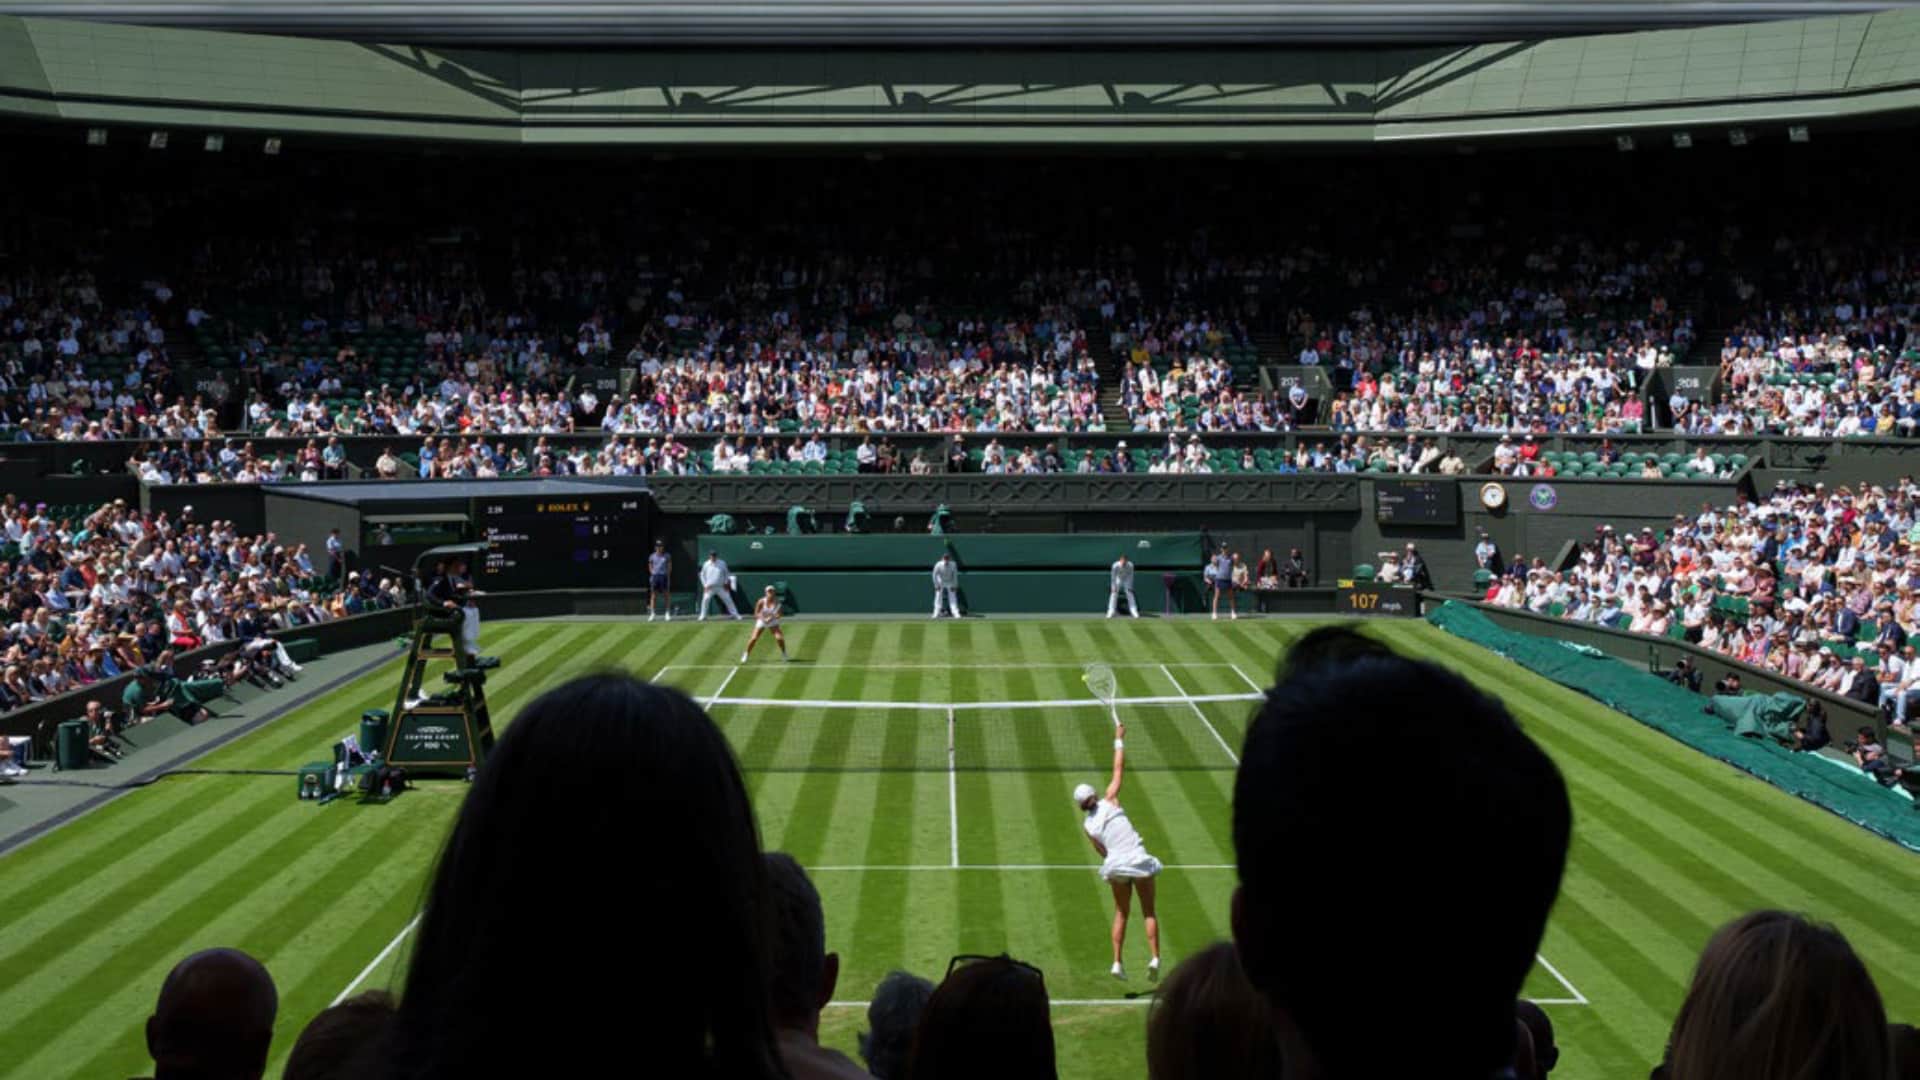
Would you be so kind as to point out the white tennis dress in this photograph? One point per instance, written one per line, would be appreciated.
(767, 616)
(1127, 856)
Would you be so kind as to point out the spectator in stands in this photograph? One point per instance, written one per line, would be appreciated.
(1858, 683)
(592, 757)
(803, 974)
(1295, 571)
(1546, 1054)
(988, 1018)
(1208, 1022)
(10, 768)
(1777, 996)
(214, 1018)
(1266, 573)
(335, 1044)
(892, 1018)
(1498, 830)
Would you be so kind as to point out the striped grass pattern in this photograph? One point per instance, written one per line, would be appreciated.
(915, 860)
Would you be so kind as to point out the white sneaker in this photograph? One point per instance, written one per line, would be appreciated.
(743, 658)
(1109, 614)
(649, 616)
(669, 616)
(702, 618)
(1118, 972)
(1235, 616)
(935, 615)
(1136, 614)
(1153, 969)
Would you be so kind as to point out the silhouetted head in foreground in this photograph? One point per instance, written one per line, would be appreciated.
(989, 1018)
(214, 1019)
(601, 900)
(1444, 876)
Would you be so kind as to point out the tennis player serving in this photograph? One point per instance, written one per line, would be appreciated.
(1125, 864)
(766, 616)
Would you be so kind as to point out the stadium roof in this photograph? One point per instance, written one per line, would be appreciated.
(1023, 23)
(1839, 69)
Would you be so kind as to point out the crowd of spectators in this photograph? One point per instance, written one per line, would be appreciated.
(946, 310)
(116, 590)
(1821, 342)
(755, 973)
(1818, 584)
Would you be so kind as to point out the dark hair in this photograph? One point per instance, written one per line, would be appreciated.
(1545, 1054)
(1905, 1042)
(333, 1045)
(516, 911)
(1776, 996)
(989, 1018)
(892, 1016)
(798, 944)
(1489, 834)
(1209, 1023)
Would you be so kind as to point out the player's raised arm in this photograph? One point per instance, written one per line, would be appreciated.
(1119, 761)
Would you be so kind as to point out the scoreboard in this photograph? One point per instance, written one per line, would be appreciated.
(562, 542)
(1416, 502)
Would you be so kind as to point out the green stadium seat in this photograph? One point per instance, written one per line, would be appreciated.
(1363, 572)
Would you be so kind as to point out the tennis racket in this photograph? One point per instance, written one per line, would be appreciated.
(1099, 679)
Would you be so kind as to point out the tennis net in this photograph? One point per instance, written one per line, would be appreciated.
(828, 736)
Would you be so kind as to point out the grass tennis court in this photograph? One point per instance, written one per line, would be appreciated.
(921, 771)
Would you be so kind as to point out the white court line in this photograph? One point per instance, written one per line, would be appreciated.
(972, 706)
(953, 795)
(919, 867)
(384, 953)
(1215, 732)
(1243, 675)
(723, 686)
(963, 667)
(658, 675)
(1578, 997)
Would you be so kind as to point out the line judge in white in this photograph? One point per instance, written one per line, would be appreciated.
(1125, 864)
(946, 585)
(1120, 580)
(716, 580)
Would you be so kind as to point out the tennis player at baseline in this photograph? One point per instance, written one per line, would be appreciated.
(1125, 864)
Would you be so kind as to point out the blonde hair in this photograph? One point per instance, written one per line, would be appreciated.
(1778, 997)
(1209, 1022)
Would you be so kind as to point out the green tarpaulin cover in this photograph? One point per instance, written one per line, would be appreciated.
(1679, 712)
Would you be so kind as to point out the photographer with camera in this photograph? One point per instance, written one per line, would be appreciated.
(1685, 674)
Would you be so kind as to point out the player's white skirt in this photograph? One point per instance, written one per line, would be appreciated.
(1128, 865)
(766, 624)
